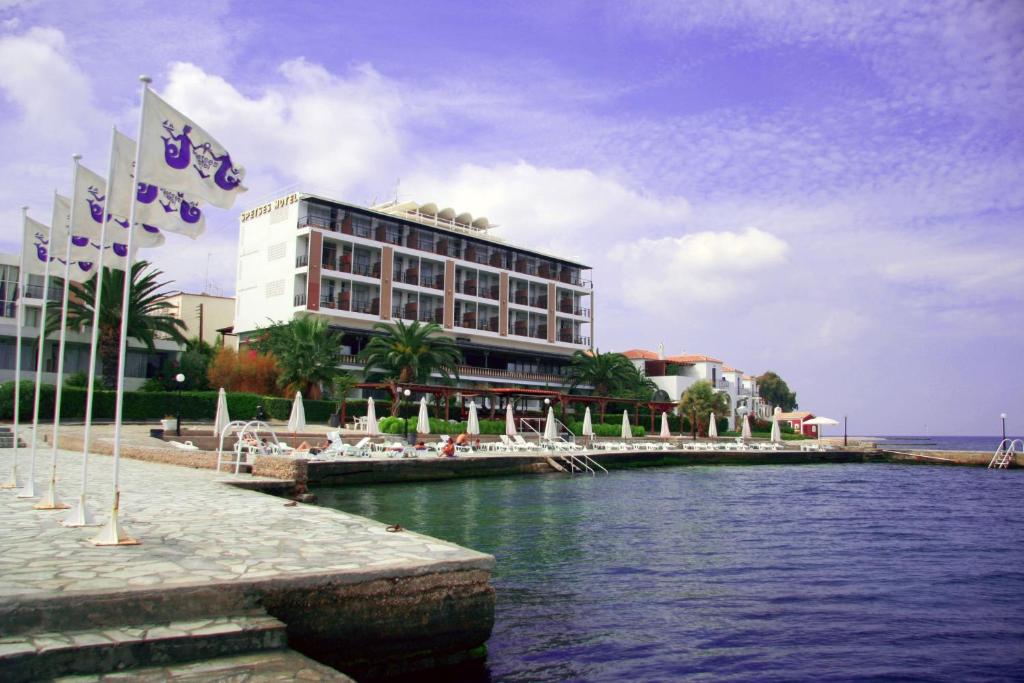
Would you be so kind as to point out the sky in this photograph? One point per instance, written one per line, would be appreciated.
(832, 191)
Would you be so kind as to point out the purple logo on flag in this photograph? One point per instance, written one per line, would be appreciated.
(95, 204)
(180, 152)
(41, 244)
(79, 241)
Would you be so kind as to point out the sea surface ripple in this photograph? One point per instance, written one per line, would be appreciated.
(862, 572)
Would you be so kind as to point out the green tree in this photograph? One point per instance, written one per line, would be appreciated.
(308, 353)
(698, 402)
(148, 315)
(775, 391)
(410, 353)
(608, 373)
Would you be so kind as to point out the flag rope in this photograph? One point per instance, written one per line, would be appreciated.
(19, 322)
(112, 533)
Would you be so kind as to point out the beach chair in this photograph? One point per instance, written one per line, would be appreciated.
(522, 444)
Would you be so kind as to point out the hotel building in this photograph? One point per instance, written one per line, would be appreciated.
(517, 314)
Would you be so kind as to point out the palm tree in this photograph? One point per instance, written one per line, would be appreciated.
(699, 401)
(147, 313)
(410, 353)
(606, 372)
(308, 352)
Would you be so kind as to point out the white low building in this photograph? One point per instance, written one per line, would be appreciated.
(675, 374)
(141, 363)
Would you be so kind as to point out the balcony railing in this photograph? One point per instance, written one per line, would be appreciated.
(302, 260)
(300, 299)
(367, 269)
(366, 306)
(310, 221)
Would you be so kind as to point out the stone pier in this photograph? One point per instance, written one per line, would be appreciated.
(222, 571)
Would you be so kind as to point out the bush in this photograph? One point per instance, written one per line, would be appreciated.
(81, 380)
(153, 405)
(606, 428)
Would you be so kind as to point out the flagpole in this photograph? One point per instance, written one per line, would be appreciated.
(12, 483)
(112, 533)
(29, 490)
(80, 514)
(51, 501)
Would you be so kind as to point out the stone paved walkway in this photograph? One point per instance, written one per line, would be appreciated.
(194, 530)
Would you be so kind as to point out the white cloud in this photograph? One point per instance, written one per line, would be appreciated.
(50, 91)
(312, 127)
(700, 268)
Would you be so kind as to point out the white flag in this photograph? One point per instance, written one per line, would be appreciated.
(157, 208)
(179, 155)
(61, 217)
(36, 246)
(85, 258)
(90, 194)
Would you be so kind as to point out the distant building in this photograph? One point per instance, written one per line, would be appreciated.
(797, 420)
(516, 313)
(204, 315)
(675, 374)
(141, 363)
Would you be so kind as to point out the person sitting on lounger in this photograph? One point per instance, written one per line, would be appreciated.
(449, 449)
(306, 447)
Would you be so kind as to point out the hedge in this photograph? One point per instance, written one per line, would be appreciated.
(153, 405)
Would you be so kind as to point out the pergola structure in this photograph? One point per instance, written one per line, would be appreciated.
(502, 396)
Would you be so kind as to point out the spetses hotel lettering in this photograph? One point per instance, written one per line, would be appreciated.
(269, 206)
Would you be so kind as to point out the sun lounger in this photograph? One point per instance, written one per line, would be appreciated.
(187, 446)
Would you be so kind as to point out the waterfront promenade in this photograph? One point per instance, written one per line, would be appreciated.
(344, 587)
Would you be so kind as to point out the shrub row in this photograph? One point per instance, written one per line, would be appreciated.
(152, 405)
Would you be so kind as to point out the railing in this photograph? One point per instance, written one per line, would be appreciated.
(428, 317)
(494, 373)
(367, 269)
(300, 299)
(317, 222)
(574, 339)
(1005, 454)
(490, 325)
(539, 302)
(364, 306)
(301, 260)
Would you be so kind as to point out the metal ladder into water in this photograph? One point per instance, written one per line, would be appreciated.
(575, 461)
(1005, 454)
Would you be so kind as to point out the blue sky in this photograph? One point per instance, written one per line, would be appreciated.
(829, 190)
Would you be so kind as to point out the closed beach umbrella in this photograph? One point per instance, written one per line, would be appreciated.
(746, 427)
(712, 427)
(423, 421)
(665, 433)
(627, 433)
(297, 420)
(473, 424)
(371, 418)
(222, 418)
(550, 430)
(588, 423)
(510, 421)
(776, 432)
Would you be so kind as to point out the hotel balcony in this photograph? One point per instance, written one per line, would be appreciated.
(472, 372)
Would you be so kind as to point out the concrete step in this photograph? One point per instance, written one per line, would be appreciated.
(277, 666)
(44, 656)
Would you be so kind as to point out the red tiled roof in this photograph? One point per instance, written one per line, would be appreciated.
(640, 354)
(693, 358)
(729, 368)
(798, 415)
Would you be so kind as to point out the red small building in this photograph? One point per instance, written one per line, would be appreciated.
(797, 421)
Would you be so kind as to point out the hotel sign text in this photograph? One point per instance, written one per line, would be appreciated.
(270, 206)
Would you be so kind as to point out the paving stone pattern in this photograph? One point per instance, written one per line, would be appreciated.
(195, 530)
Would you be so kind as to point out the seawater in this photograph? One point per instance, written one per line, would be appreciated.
(856, 572)
(941, 443)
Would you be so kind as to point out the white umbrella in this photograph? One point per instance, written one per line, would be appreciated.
(665, 433)
(776, 432)
(821, 422)
(297, 420)
(510, 421)
(222, 418)
(712, 428)
(473, 424)
(588, 424)
(371, 418)
(745, 434)
(423, 421)
(550, 430)
(627, 433)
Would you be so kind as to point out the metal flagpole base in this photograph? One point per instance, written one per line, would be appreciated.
(80, 515)
(29, 490)
(113, 534)
(51, 501)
